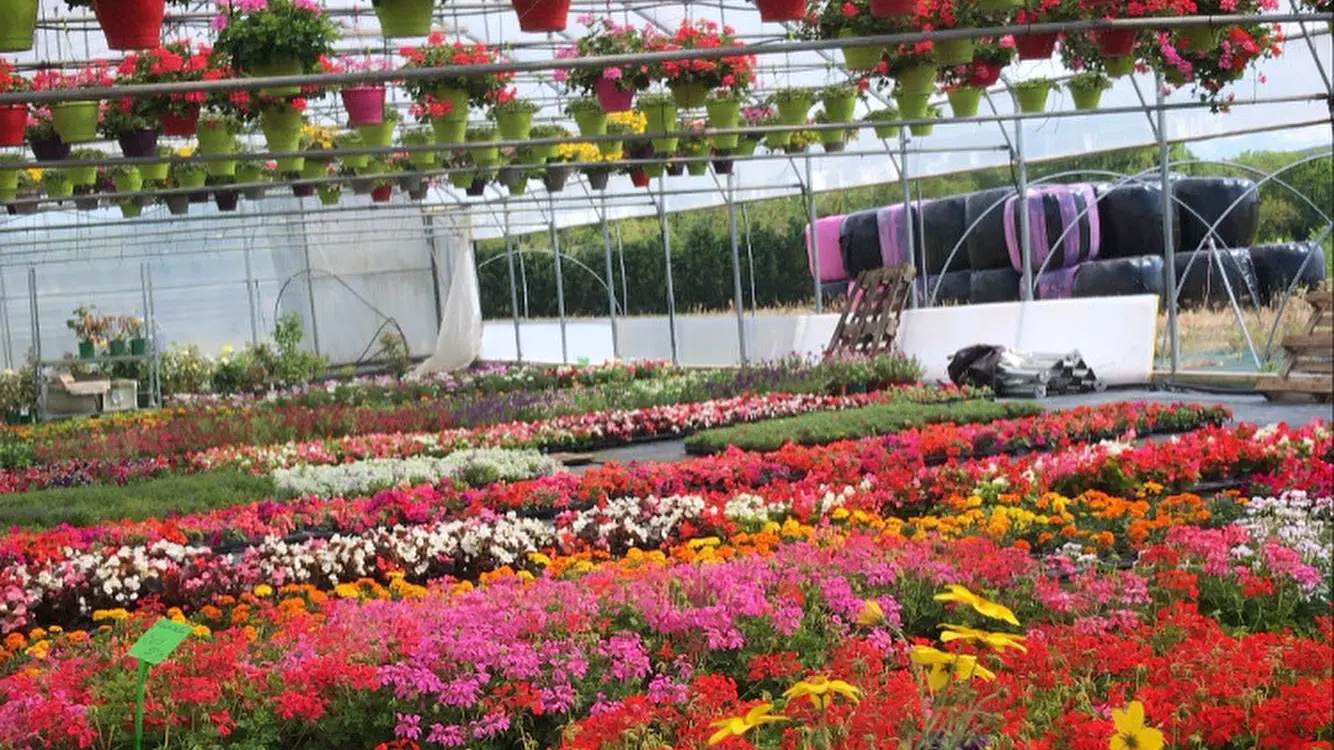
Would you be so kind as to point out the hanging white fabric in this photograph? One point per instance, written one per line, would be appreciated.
(460, 340)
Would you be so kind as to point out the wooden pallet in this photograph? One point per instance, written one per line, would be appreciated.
(871, 322)
(1310, 356)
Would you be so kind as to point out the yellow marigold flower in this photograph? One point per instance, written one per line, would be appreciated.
(821, 690)
(708, 541)
(201, 631)
(185, 151)
(37, 634)
(943, 664)
(116, 615)
(871, 614)
(957, 593)
(537, 558)
(997, 641)
(346, 591)
(264, 589)
(738, 726)
(1131, 734)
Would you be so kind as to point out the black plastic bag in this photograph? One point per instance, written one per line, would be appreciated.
(954, 288)
(975, 365)
(986, 241)
(859, 241)
(1205, 199)
(943, 223)
(1120, 276)
(1277, 266)
(1131, 219)
(995, 285)
(1205, 284)
(1063, 226)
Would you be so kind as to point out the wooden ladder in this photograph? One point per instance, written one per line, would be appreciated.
(871, 322)
(1310, 356)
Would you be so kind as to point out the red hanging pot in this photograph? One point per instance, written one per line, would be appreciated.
(1115, 42)
(638, 177)
(542, 15)
(984, 74)
(776, 11)
(178, 126)
(364, 105)
(612, 97)
(13, 124)
(1035, 46)
(131, 24)
(893, 8)
(382, 193)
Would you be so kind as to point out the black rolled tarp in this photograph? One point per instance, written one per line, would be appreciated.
(1204, 201)
(986, 242)
(1205, 284)
(1131, 220)
(1277, 266)
(1063, 226)
(994, 285)
(859, 241)
(1120, 276)
(1057, 284)
(943, 222)
(954, 287)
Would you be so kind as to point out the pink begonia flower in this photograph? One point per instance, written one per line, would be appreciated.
(560, 75)
(611, 74)
(586, 19)
(566, 53)
(218, 23)
(309, 5)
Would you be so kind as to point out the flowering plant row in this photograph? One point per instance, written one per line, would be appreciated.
(668, 645)
(360, 478)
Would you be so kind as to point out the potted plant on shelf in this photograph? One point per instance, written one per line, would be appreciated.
(403, 18)
(134, 330)
(445, 98)
(13, 117)
(57, 183)
(275, 38)
(1086, 89)
(347, 141)
(88, 328)
(18, 24)
(252, 174)
(879, 120)
(363, 102)
(116, 336)
(83, 175)
(421, 137)
(542, 16)
(282, 121)
(614, 86)
(74, 121)
(1031, 95)
(793, 105)
(216, 132)
(924, 129)
(513, 116)
(157, 172)
(852, 19)
(588, 116)
(691, 80)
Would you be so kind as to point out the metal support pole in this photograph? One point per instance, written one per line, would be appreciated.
(514, 290)
(611, 282)
(432, 254)
(1169, 243)
(35, 329)
(667, 266)
(4, 309)
(736, 270)
(1025, 238)
(560, 285)
(310, 292)
(815, 240)
(251, 292)
(907, 209)
(625, 284)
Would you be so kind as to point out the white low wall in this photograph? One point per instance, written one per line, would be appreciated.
(1115, 335)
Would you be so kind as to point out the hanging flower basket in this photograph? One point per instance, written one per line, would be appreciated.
(273, 70)
(950, 52)
(793, 106)
(660, 117)
(13, 122)
(178, 204)
(518, 188)
(382, 193)
(722, 166)
(923, 129)
(1198, 39)
(227, 200)
(515, 125)
(131, 24)
(747, 146)
(723, 114)
(401, 18)
(282, 133)
(1035, 46)
(918, 79)
(891, 8)
(777, 11)
(449, 131)
(462, 179)
(86, 199)
(597, 179)
(75, 122)
(860, 56)
(542, 16)
(839, 104)
(18, 24)
(178, 126)
(912, 106)
(364, 105)
(138, 144)
(639, 178)
(214, 139)
(477, 188)
(56, 184)
(984, 74)
(1086, 99)
(965, 100)
(591, 122)
(379, 135)
(1086, 89)
(689, 95)
(49, 149)
(612, 98)
(1118, 67)
(1115, 42)
(1032, 95)
(655, 171)
(555, 178)
(302, 191)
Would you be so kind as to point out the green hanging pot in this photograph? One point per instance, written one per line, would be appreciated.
(1086, 99)
(18, 24)
(355, 161)
(950, 52)
(461, 179)
(839, 108)
(314, 169)
(1200, 38)
(520, 187)
(697, 168)
(75, 122)
(885, 132)
(249, 175)
(192, 179)
(130, 209)
(514, 126)
(1033, 97)
(544, 152)
(458, 101)
(212, 141)
(793, 110)
(9, 184)
(484, 154)
(271, 70)
(918, 79)
(57, 188)
(82, 176)
(993, 6)
(660, 117)
(778, 140)
(157, 171)
(689, 95)
(128, 182)
(329, 196)
(833, 136)
(655, 170)
(402, 18)
(747, 146)
(922, 129)
(1117, 67)
(377, 136)
(965, 101)
(723, 113)
(610, 148)
(860, 57)
(591, 122)
(912, 106)
(449, 132)
(282, 132)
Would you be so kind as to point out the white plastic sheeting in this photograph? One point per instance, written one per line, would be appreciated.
(459, 341)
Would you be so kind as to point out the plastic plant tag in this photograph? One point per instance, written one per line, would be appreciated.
(157, 644)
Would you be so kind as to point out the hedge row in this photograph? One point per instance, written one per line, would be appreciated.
(829, 427)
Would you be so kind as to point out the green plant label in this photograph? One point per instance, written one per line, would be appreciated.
(154, 646)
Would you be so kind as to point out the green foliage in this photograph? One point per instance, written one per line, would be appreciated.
(153, 498)
(394, 351)
(827, 427)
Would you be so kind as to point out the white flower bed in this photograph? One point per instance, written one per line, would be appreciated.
(364, 477)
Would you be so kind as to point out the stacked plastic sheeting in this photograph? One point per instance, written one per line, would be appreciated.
(1087, 240)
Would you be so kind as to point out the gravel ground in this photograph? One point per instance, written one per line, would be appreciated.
(1245, 408)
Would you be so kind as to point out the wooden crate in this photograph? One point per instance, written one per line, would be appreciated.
(1310, 356)
(871, 322)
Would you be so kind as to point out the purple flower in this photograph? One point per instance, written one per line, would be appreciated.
(409, 726)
